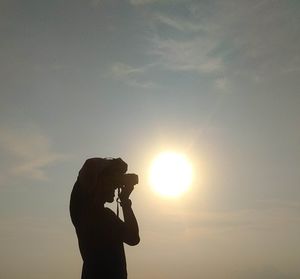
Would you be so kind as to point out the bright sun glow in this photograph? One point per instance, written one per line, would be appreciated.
(170, 174)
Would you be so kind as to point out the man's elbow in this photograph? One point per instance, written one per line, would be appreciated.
(133, 241)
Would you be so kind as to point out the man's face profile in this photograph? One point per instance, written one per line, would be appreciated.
(108, 192)
(110, 195)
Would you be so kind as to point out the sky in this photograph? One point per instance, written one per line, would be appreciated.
(215, 80)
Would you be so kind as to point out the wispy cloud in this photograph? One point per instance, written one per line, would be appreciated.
(142, 2)
(222, 83)
(121, 70)
(179, 24)
(26, 152)
(188, 55)
(222, 39)
(265, 215)
(132, 76)
(96, 3)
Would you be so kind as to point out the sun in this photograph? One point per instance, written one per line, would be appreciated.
(170, 174)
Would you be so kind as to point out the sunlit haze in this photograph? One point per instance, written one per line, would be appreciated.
(215, 82)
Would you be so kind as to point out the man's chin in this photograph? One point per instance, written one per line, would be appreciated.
(110, 200)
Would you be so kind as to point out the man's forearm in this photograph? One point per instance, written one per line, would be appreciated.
(131, 225)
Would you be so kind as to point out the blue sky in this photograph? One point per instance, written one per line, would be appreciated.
(216, 80)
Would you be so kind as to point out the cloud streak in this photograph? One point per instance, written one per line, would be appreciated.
(141, 2)
(179, 24)
(189, 55)
(222, 40)
(132, 76)
(266, 215)
(27, 153)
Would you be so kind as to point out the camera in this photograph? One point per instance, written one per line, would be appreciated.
(115, 174)
(129, 179)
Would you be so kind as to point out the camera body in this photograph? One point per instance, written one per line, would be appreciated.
(115, 174)
(129, 179)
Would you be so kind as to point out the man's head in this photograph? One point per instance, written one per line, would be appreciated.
(97, 181)
(112, 178)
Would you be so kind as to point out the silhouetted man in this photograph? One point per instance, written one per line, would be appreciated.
(100, 232)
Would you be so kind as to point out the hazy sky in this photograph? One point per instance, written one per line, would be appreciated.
(216, 80)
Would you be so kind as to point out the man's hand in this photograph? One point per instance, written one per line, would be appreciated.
(129, 180)
(125, 192)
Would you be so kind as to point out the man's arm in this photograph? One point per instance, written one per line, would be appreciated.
(131, 232)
